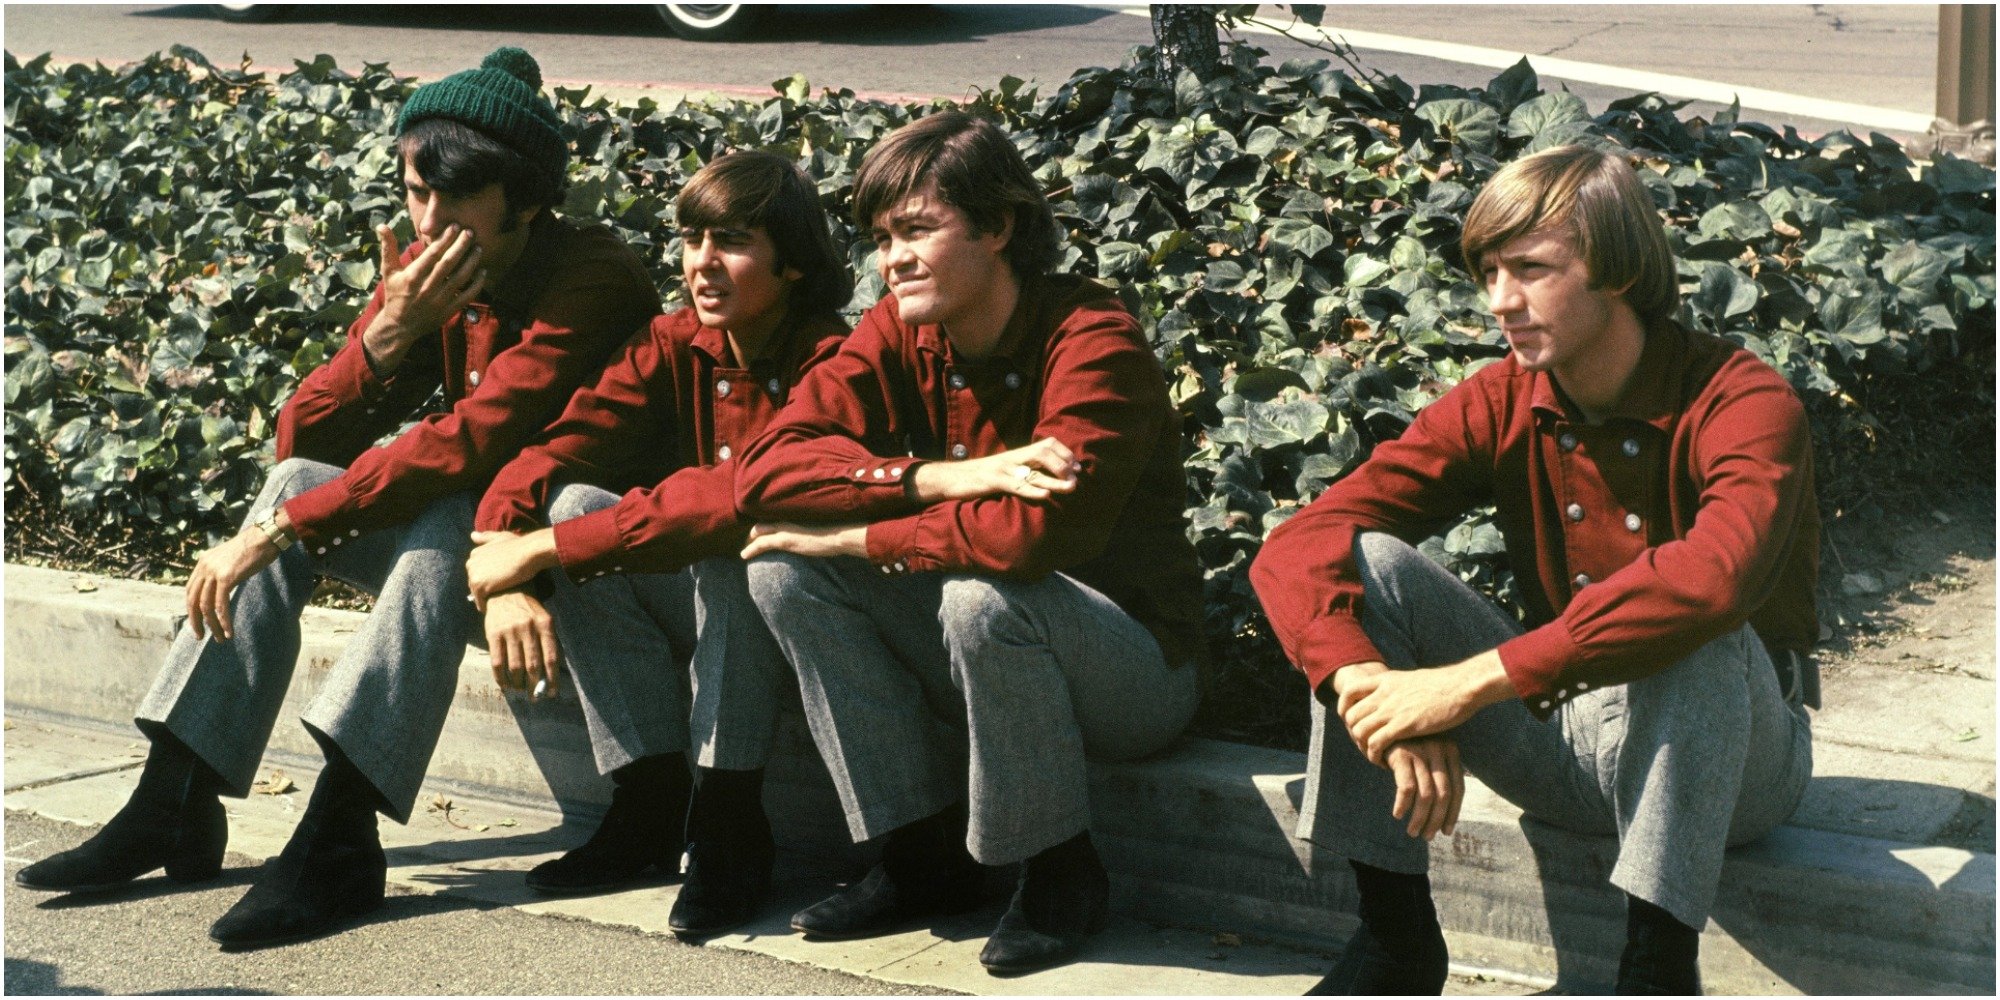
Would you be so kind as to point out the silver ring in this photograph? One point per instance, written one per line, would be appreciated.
(1023, 473)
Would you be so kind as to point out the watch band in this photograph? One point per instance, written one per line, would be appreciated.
(280, 537)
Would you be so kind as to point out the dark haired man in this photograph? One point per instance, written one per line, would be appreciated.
(650, 587)
(971, 546)
(1654, 487)
(507, 309)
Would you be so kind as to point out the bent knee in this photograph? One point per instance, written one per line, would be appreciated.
(577, 499)
(980, 607)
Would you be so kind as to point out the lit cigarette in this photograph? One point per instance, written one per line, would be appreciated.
(541, 688)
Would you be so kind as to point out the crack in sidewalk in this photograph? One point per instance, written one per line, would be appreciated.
(73, 776)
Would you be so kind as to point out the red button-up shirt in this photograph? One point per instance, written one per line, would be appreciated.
(663, 422)
(506, 365)
(1686, 512)
(1071, 364)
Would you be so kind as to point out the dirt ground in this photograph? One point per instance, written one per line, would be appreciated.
(1910, 590)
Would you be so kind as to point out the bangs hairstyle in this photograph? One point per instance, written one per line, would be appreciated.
(1596, 197)
(977, 170)
(460, 160)
(753, 190)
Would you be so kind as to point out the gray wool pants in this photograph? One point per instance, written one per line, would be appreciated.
(383, 701)
(926, 689)
(668, 662)
(1678, 766)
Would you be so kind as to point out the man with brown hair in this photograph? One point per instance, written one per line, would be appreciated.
(1654, 487)
(648, 597)
(972, 548)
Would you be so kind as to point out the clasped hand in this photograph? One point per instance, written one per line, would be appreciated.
(520, 633)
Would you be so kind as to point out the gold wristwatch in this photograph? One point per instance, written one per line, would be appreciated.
(280, 537)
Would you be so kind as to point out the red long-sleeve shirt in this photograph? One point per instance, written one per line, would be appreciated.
(1688, 511)
(663, 421)
(507, 365)
(1071, 364)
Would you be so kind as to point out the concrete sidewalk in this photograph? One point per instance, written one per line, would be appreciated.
(1882, 883)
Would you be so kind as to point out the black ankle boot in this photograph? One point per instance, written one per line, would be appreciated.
(173, 820)
(1063, 897)
(641, 832)
(332, 868)
(925, 872)
(1400, 949)
(1662, 955)
(730, 854)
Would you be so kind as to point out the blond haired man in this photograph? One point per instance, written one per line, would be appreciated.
(1654, 487)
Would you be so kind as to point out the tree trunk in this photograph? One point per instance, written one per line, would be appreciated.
(1187, 37)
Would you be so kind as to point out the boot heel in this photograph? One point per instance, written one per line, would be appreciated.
(185, 870)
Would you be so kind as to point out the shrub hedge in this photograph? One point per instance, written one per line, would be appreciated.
(183, 241)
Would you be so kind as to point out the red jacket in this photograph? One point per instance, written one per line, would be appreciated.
(663, 421)
(1072, 364)
(506, 367)
(1634, 542)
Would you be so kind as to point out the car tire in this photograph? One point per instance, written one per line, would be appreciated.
(249, 13)
(707, 22)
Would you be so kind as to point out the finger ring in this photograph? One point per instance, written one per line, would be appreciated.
(1022, 472)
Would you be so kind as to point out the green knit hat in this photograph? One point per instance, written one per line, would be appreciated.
(501, 98)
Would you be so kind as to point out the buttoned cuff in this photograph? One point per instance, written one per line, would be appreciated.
(591, 546)
(1333, 641)
(354, 377)
(882, 471)
(1536, 663)
(316, 516)
(892, 545)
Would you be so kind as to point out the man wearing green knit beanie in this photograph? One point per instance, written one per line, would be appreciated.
(479, 332)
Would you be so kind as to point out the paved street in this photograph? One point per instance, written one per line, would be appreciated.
(1876, 56)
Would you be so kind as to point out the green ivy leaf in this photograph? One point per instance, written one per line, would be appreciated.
(1465, 123)
(1546, 112)
(1915, 271)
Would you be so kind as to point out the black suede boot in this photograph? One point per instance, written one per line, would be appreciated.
(1064, 896)
(729, 854)
(642, 831)
(925, 872)
(173, 820)
(331, 870)
(1662, 955)
(1399, 950)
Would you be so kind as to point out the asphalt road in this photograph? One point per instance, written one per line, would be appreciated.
(1880, 56)
(149, 939)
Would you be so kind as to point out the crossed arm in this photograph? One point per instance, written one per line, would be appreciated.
(1398, 718)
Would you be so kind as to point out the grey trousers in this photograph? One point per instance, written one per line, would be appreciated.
(383, 702)
(1678, 766)
(925, 689)
(668, 662)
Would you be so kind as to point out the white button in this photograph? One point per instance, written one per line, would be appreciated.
(722, 453)
(1582, 580)
(1575, 512)
(1568, 442)
(371, 409)
(879, 473)
(859, 473)
(773, 386)
(320, 551)
(1013, 380)
(1582, 686)
(957, 381)
(1630, 447)
(722, 387)
(617, 569)
(336, 539)
(472, 315)
(1545, 704)
(886, 570)
(958, 451)
(354, 533)
(900, 568)
(895, 472)
(1631, 522)
(472, 378)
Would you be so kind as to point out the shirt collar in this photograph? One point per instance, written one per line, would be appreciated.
(515, 293)
(1025, 328)
(791, 344)
(1655, 394)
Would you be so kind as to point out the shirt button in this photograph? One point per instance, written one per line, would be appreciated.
(1545, 704)
(1582, 686)
(1630, 447)
(957, 381)
(1568, 442)
(1632, 522)
(958, 451)
(879, 473)
(1013, 380)
(354, 532)
(895, 472)
(723, 453)
(860, 473)
(320, 551)
(471, 316)
(773, 386)
(1575, 512)
(472, 378)
(336, 539)
(722, 387)
(1582, 580)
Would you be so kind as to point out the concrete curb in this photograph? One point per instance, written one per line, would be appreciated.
(1201, 836)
